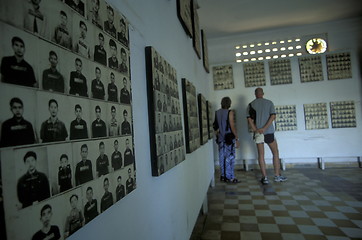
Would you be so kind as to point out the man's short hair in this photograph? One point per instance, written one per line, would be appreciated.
(52, 101)
(100, 35)
(113, 108)
(98, 107)
(110, 8)
(16, 100)
(225, 103)
(45, 207)
(74, 195)
(125, 111)
(122, 21)
(119, 178)
(106, 179)
(112, 74)
(124, 79)
(78, 60)
(129, 170)
(97, 68)
(84, 146)
(29, 154)
(63, 13)
(115, 141)
(17, 39)
(77, 106)
(123, 51)
(52, 53)
(89, 188)
(64, 156)
(83, 23)
(112, 43)
(101, 144)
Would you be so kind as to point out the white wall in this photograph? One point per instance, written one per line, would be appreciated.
(301, 144)
(164, 207)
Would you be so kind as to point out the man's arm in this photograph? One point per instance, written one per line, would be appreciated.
(268, 123)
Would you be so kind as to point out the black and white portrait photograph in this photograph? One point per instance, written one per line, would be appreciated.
(128, 154)
(95, 8)
(84, 170)
(120, 190)
(115, 152)
(114, 120)
(98, 119)
(83, 37)
(101, 51)
(113, 58)
(18, 55)
(61, 26)
(109, 24)
(123, 34)
(52, 125)
(125, 93)
(73, 212)
(53, 76)
(98, 89)
(61, 168)
(17, 119)
(126, 120)
(78, 6)
(124, 62)
(80, 127)
(103, 166)
(91, 197)
(79, 71)
(106, 185)
(113, 86)
(35, 18)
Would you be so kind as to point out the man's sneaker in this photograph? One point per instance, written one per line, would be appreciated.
(264, 180)
(280, 178)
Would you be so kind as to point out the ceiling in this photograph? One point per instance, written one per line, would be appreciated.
(221, 18)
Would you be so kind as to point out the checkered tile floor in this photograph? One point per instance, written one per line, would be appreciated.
(312, 204)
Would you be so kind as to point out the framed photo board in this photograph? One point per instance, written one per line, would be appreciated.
(210, 119)
(339, 66)
(196, 39)
(72, 93)
(254, 74)
(286, 118)
(202, 106)
(166, 133)
(184, 8)
(191, 120)
(223, 77)
(310, 69)
(316, 116)
(280, 72)
(343, 114)
(205, 52)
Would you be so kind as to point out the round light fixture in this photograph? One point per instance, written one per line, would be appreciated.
(316, 45)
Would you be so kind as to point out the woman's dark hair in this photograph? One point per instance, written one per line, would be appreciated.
(225, 103)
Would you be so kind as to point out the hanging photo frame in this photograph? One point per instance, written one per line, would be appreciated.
(203, 124)
(184, 8)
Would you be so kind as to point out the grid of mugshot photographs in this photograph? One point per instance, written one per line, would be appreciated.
(204, 132)
(191, 117)
(41, 57)
(169, 135)
(223, 77)
(286, 118)
(310, 68)
(210, 119)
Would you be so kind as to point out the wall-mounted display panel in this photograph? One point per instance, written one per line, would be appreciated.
(343, 114)
(310, 69)
(166, 133)
(205, 52)
(316, 116)
(202, 106)
(66, 144)
(210, 119)
(254, 74)
(184, 15)
(339, 66)
(280, 72)
(196, 36)
(192, 131)
(223, 77)
(286, 118)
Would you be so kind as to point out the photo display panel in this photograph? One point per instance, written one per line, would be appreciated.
(164, 109)
(339, 66)
(210, 119)
(286, 118)
(310, 69)
(192, 131)
(66, 139)
(205, 52)
(196, 33)
(223, 77)
(254, 74)
(316, 116)
(343, 114)
(184, 15)
(280, 72)
(202, 106)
